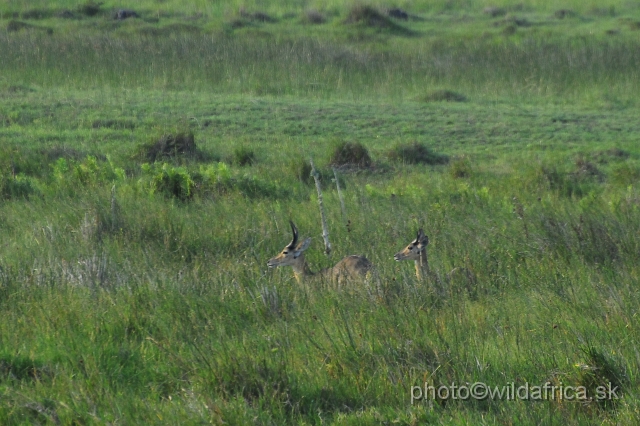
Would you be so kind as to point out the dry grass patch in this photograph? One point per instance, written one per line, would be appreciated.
(170, 146)
(350, 154)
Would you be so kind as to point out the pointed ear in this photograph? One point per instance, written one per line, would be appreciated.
(424, 241)
(420, 235)
(302, 247)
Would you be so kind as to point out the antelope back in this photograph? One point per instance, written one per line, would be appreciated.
(351, 267)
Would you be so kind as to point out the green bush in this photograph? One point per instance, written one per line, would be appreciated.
(173, 182)
(243, 156)
(460, 168)
(86, 173)
(19, 186)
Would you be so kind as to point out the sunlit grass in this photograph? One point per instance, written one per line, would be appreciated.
(138, 292)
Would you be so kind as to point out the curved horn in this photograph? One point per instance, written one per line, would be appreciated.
(293, 242)
(420, 235)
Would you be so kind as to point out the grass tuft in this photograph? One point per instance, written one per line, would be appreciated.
(301, 170)
(586, 169)
(22, 368)
(415, 153)
(599, 374)
(350, 154)
(260, 17)
(494, 11)
(170, 146)
(443, 96)
(369, 16)
(460, 168)
(313, 16)
(90, 8)
(243, 156)
(113, 124)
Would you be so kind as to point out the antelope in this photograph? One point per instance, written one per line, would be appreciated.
(417, 251)
(350, 267)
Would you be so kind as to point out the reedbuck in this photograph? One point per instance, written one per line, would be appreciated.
(417, 251)
(351, 267)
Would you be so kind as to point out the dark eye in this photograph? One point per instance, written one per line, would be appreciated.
(285, 252)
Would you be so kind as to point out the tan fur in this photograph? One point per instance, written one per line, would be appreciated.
(417, 251)
(349, 268)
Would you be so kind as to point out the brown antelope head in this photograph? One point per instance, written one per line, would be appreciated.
(416, 251)
(350, 267)
(293, 255)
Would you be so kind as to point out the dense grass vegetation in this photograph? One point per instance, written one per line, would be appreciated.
(149, 167)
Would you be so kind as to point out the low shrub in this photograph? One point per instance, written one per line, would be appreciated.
(243, 156)
(415, 153)
(15, 187)
(370, 17)
(460, 168)
(312, 16)
(350, 154)
(169, 146)
(173, 182)
(90, 171)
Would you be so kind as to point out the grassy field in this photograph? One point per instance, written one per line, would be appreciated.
(134, 286)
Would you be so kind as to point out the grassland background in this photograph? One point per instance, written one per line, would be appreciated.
(124, 304)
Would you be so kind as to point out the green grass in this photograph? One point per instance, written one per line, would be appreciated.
(137, 292)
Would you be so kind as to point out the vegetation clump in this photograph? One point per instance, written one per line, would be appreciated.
(52, 154)
(243, 156)
(350, 154)
(398, 14)
(113, 124)
(257, 17)
(170, 146)
(90, 8)
(313, 16)
(301, 169)
(601, 371)
(460, 168)
(443, 96)
(611, 154)
(586, 169)
(173, 182)
(626, 174)
(14, 25)
(16, 187)
(564, 13)
(415, 153)
(36, 14)
(494, 11)
(371, 17)
(122, 14)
